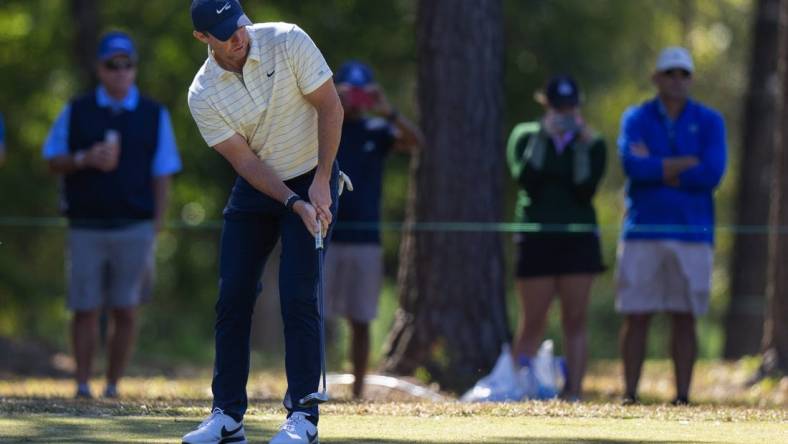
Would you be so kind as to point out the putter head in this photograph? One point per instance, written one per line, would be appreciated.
(313, 399)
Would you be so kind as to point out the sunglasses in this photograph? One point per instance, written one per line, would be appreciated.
(677, 71)
(118, 65)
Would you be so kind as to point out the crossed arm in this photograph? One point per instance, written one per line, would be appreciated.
(693, 172)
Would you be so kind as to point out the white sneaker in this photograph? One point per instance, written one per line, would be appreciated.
(297, 429)
(217, 429)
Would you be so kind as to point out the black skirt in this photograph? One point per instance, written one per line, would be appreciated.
(549, 254)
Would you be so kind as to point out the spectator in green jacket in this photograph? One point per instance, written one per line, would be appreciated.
(557, 163)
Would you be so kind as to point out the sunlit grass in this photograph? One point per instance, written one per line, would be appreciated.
(161, 409)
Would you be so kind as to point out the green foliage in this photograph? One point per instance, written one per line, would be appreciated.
(609, 45)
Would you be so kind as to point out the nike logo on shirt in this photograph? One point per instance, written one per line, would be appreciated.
(223, 8)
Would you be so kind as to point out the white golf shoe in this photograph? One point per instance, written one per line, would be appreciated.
(296, 429)
(218, 428)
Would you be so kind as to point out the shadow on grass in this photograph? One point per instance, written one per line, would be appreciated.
(90, 430)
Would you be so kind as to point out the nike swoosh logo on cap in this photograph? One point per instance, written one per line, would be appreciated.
(311, 438)
(223, 8)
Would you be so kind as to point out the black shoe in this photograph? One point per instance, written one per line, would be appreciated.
(630, 400)
(680, 401)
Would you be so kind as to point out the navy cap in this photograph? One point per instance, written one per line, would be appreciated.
(114, 44)
(354, 73)
(219, 18)
(562, 91)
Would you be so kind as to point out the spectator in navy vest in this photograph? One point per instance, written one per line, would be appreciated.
(115, 150)
(372, 128)
(2, 141)
(673, 152)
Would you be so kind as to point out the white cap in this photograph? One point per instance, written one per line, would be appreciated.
(675, 57)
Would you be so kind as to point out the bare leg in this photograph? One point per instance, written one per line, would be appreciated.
(84, 333)
(359, 354)
(574, 291)
(121, 342)
(684, 349)
(634, 333)
(536, 294)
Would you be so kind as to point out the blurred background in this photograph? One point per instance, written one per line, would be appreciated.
(608, 45)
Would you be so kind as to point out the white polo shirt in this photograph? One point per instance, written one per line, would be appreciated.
(266, 105)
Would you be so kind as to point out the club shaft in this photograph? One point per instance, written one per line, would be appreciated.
(321, 304)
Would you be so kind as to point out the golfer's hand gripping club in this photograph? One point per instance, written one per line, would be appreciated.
(319, 235)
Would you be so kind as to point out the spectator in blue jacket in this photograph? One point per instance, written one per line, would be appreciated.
(673, 152)
(115, 150)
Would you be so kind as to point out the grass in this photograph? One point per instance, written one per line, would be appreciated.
(354, 428)
(160, 410)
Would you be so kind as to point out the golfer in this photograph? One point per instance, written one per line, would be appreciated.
(265, 100)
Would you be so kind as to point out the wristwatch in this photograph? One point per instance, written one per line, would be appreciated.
(290, 201)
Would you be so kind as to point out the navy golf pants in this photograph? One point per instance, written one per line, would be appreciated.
(253, 223)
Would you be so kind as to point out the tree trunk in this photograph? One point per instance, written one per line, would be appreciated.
(451, 319)
(744, 321)
(85, 15)
(687, 12)
(776, 325)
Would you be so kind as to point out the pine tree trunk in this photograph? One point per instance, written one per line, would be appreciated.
(687, 13)
(85, 14)
(744, 321)
(776, 325)
(451, 319)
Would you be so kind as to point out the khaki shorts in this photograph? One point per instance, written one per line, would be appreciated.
(110, 268)
(353, 273)
(663, 276)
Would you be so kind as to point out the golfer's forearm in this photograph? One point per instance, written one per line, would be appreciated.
(264, 179)
(329, 127)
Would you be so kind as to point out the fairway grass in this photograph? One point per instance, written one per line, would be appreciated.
(161, 410)
(398, 429)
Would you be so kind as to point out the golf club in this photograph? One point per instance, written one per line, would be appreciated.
(322, 396)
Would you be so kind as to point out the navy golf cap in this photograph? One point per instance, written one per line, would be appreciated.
(219, 18)
(354, 73)
(116, 43)
(562, 91)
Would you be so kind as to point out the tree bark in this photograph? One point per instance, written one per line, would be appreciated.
(775, 339)
(744, 321)
(687, 12)
(451, 319)
(85, 14)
